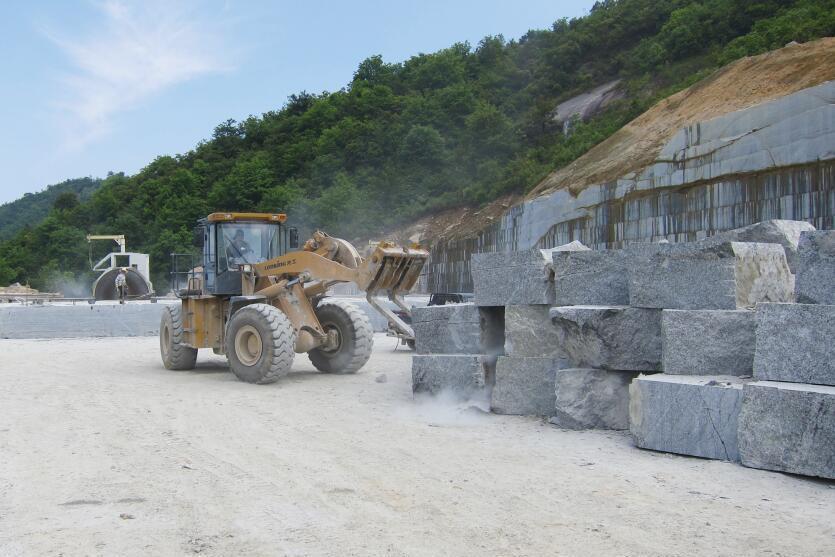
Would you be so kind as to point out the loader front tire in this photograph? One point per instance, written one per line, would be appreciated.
(259, 344)
(355, 338)
(175, 354)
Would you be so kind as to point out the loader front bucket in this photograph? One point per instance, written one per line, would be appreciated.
(394, 270)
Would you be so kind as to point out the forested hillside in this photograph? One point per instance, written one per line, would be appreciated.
(458, 127)
(34, 207)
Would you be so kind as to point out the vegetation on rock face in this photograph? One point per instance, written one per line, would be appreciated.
(461, 126)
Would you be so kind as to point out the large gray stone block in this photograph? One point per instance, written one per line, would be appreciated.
(708, 342)
(609, 337)
(783, 232)
(815, 282)
(726, 275)
(796, 343)
(686, 414)
(521, 277)
(524, 386)
(590, 278)
(518, 277)
(788, 427)
(529, 332)
(448, 329)
(465, 376)
(592, 399)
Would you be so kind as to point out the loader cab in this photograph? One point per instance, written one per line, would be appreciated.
(231, 240)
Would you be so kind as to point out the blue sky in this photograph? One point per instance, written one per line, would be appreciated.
(94, 86)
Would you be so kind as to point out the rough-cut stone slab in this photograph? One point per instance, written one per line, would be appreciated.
(592, 399)
(609, 337)
(448, 329)
(795, 342)
(522, 277)
(815, 283)
(788, 427)
(518, 277)
(524, 386)
(686, 414)
(708, 342)
(783, 232)
(590, 278)
(463, 375)
(710, 275)
(529, 332)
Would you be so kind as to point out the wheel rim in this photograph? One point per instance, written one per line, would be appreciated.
(166, 339)
(248, 345)
(328, 327)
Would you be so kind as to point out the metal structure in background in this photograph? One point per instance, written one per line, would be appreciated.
(138, 268)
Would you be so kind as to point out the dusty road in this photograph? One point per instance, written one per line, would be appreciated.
(104, 452)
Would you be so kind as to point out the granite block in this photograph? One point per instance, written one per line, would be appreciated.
(447, 329)
(464, 376)
(815, 281)
(788, 427)
(590, 278)
(524, 386)
(723, 275)
(686, 414)
(592, 399)
(796, 343)
(708, 342)
(609, 337)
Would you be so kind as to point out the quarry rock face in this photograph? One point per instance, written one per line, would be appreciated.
(610, 337)
(529, 332)
(727, 275)
(447, 329)
(816, 268)
(796, 343)
(464, 376)
(708, 342)
(773, 160)
(788, 427)
(689, 415)
(592, 399)
(524, 386)
(775, 231)
(590, 278)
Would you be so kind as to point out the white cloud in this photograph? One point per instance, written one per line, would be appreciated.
(132, 53)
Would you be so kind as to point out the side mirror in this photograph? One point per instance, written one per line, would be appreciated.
(293, 237)
(199, 232)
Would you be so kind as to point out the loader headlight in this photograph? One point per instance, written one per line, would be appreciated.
(246, 268)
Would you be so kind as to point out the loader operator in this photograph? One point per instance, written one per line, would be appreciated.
(238, 250)
(122, 285)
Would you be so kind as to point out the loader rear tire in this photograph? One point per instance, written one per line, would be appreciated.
(259, 344)
(355, 338)
(175, 354)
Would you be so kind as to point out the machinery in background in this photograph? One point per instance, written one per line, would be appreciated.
(137, 265)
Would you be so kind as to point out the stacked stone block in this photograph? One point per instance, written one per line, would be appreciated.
(698, 349)
(710, 275)
(707, 340)
(787, 421)
(816, 268)
(451, 351)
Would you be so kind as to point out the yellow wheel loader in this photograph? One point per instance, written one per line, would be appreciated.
(260, 299)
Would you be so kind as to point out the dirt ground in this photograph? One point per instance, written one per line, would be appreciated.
(104, 452)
